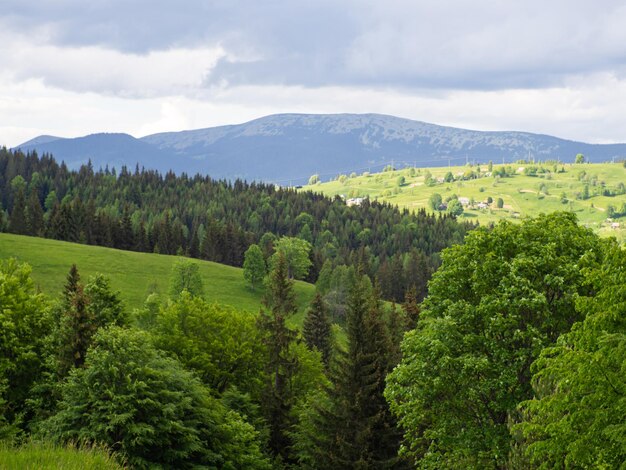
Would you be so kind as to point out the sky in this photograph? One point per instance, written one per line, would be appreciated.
(70, 68)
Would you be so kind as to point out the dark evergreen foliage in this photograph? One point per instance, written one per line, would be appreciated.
(316, 328)
(218, 220)
(282, 364)
(354, 428)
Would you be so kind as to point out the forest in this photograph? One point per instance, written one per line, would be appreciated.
(218, 220)
(508, 353)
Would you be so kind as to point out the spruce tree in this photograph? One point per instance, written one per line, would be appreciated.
(316, 328)
(282, 364)
(354, 428)
(17, 221)
(77, 325)
(411, 308)
(34, 215)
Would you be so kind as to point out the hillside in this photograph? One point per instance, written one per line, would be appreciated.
(133, 274)
(522, 194)
(288, 148)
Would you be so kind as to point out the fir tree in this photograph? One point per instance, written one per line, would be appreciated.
(34, 215)
(354, 428)
(281, 363)
(316, 328)
(77, 325)
(17, 221)
(411, 308)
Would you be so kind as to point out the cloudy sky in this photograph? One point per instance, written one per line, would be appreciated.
(73, 67)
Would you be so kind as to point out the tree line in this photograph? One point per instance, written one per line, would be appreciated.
(197, 216)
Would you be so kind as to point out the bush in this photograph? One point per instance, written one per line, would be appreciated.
(149, 409)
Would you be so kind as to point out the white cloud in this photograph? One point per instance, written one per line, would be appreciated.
(72, 68)
(107, 71)
(587, 108)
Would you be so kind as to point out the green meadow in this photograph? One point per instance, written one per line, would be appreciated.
(134, 275)
(554, 187)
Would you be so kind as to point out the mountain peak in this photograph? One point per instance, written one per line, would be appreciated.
(288, 148)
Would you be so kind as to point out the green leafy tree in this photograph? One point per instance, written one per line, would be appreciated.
(435, 201)
(316, 328)
(254, 268)
(580, 158)
(455, 207)
(296, 253)
(185, 276)
(500, 203)
(151, 411)
(494, 304)
(314, 179)
(576, 419)
(227, 354)
(25, 323)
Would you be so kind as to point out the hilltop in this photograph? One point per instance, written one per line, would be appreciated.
(288, 148)
(526, 189)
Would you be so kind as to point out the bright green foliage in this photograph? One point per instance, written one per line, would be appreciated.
(150, 410)
(296, 252)
(221, 344)
(104, 304)
(254, 268)
(47, 456)
(352, 427)
(494, 304)
(316, 328)
(435, 201)
(185, 276)
(455, 207)
(578, 418)
(24, 322)
(580, 158)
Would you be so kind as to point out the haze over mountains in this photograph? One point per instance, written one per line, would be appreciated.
(288, 148)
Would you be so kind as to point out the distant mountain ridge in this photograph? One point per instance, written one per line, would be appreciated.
(288, 148)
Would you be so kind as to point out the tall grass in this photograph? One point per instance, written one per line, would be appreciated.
(47, 456)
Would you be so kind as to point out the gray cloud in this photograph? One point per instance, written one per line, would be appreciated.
(457, 44)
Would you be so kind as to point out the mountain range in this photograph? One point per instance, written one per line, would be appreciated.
(288, 148)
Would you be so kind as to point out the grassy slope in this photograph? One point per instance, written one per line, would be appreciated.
(520, 193)
(131, 273)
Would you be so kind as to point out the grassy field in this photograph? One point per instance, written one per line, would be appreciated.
(523, 195)
(133, 274)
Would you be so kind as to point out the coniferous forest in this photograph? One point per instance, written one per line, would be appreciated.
(429, 343)
(199, 217)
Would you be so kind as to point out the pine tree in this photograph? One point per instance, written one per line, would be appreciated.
(411, 308)
(77, 325)
(281, 363)
(17, 221)
(316, 328)
(354, 429)
(34, 215)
